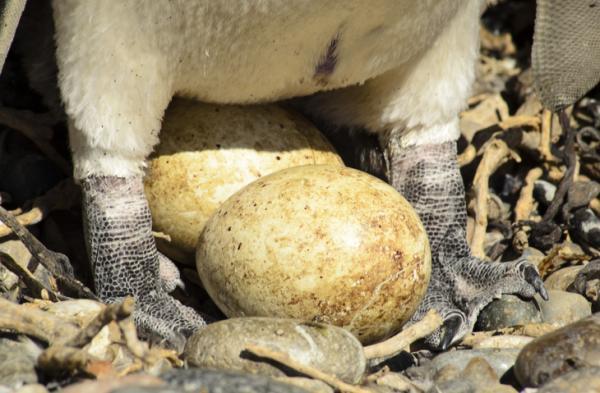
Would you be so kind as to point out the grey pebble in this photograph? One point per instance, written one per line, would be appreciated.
(544, 191)
(564, 307)
(587, 283)
(18, 357)
(586, 380)
(563, 278)
(331, 349)
(477, 377)
(574, 346)
(508, 311)
(581, 193)
(500, 360)
(220, 381)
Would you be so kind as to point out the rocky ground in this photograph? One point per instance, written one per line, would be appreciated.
(533, 191)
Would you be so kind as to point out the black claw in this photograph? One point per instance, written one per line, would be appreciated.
(450, 328)
(533, 278)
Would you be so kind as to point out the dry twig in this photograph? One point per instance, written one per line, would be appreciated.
(495, 153)
(396, 344)
(36, 287)
(57, 264)
(306, 370)
(524, 205)
(33, 322)
(63, 196)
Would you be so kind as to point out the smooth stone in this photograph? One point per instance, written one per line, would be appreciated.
(585, 228)
(544, 191)
(328, 348)
(581, 193)
(33, 388)
(562, 278)
(507, 311)
(200, 380)
(564, 307)
(586, 380)
(504, 341)
(78, 311)
(587, 283)
(477, 377)
(143, 382)
(574, 346)
(501, 360)
(18, 357)
(312, 385)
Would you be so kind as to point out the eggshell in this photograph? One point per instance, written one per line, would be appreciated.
(319, 243)
(208, 152)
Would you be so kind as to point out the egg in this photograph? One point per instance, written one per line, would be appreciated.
(319, 243)
(208, 152)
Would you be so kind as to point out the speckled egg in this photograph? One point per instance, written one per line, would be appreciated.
(319, 243)
(208, 152)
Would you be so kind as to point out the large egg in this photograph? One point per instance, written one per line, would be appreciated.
(320, 243)
(208, 152)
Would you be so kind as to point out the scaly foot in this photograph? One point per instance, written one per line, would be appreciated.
(125, 260)
(462, 288)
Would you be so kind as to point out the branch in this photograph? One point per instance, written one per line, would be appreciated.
(306, 370)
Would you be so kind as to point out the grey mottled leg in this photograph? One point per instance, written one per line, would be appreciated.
(461, 285)
(125, 260)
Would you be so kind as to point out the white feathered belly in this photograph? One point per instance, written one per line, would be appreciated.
(252, 51)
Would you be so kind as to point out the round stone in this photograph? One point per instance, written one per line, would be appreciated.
(508, 311)
(208, 152)
(319, 243)
(563, 278)
(222, 345)
(574, 346)
(576, 381)
(564, 307)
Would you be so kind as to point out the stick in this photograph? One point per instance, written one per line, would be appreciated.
(306, 370)
(61, 197)
(397, 343)
(112, 312)
(31, 282)
(524, 205)
(545, 143)
(495, 154)
(570, 160)
(33, 322)
(57, 264)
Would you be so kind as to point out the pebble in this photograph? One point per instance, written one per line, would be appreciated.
(18, 357)
(500, 360)
(312, 385)
(571, 347)
(221, 345)
(507, 311)
(564, 307)
(587, 283)
(581, 193)
(563, 278)
(585, 228)
(200, 380)
(142, 382)
(586, 380)
(544, 191)
(78, 311)
(33, 388)
(477, 377)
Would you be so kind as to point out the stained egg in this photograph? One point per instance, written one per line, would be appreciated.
(208, 152)
(318, 243)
